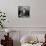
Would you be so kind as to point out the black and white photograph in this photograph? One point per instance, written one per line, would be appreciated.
(23, 11)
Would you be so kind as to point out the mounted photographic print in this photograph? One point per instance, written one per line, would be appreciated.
(23, 11)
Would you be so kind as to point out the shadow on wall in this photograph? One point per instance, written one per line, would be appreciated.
(16, 43)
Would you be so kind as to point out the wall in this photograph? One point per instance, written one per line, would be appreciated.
(38, 13)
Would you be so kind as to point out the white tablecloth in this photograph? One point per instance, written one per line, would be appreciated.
(27, 44)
